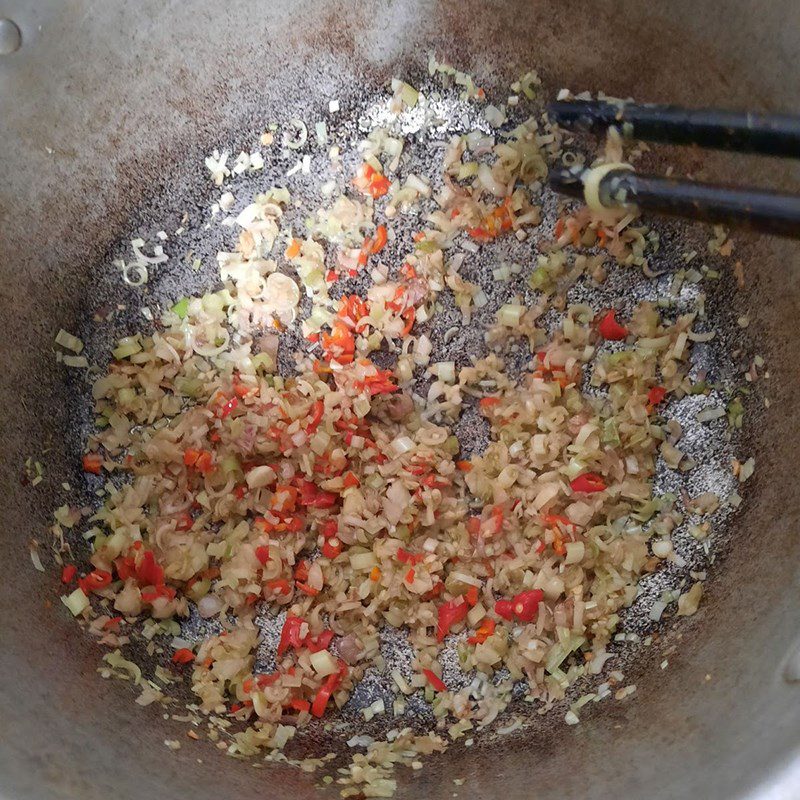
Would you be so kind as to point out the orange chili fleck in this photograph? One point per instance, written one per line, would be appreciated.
(293, 250)
(409, 315)
(93, 462)
(472, 596)
(483, 632)
(381, 237)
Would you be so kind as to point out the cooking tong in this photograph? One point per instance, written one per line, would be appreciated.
(617, 186)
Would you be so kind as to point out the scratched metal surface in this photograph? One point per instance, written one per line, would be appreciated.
(86, 181)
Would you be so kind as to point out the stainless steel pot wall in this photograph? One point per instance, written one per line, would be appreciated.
(98, 103)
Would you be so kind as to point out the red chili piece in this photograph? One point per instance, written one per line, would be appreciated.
(450, 613)
(332, 547)
(279, 586)
(588, 483)
(167, 592)
(262, 681)
(315, 415)
(201, 460)
(330, 528)
(183, 656)
(504, 609)
(404, 557)
(228, 407)
(290, 634)
(523, 606)
(319, 642)
(526, 604)
(298, 704)
(328, 688)
(94, 581)
(184, 521)
(610, 329)
(656, 395)
(351, 481)
(311, 496)
(93, 462)
(484, 631)
(149, 572)
(472, 596)
(434, 680)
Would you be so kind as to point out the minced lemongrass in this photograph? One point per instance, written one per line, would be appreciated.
(403, 444)
(363, 561)
(337, 492)
(126, 347)
(324, 663)
(444, 370)
(575, 552)
(35, 558)
(710, 414)
(69, 341)
(689, 602)
(77, 602)
(747, 469)
(510, 315)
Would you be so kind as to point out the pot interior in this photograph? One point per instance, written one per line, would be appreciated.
(109, 112)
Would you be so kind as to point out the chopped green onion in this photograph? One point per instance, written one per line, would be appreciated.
(181, 308)
(117, 661)
(213, 302)
(263, 362)
(735, 413)
(701, 387)
(321, 130)
(540, 280)
(452, 445)
(610, 432)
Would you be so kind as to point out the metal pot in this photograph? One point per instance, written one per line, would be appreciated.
(101, 100)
